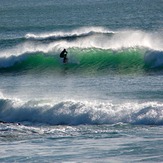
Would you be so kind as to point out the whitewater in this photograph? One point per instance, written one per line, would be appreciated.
(105, 104)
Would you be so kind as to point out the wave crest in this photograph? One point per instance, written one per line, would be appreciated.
(83, 31)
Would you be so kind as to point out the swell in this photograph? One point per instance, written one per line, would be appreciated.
(77, 113)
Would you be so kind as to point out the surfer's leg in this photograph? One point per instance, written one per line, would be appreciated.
(64, 60)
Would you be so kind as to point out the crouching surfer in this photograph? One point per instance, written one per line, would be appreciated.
(63, 55)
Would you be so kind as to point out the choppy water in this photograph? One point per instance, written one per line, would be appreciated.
(105, 104)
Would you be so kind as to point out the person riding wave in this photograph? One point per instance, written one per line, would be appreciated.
(63, 55)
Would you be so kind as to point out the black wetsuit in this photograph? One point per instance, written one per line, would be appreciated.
(63, 55)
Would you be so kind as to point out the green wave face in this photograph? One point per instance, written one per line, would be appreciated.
(108, 61)
(84, 61)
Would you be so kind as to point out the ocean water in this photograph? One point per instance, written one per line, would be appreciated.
(105, 104)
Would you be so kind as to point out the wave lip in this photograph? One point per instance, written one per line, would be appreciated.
(78, 113)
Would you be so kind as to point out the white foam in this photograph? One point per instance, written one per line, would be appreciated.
(75, 112)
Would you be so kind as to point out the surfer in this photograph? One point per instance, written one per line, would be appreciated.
(63, 55)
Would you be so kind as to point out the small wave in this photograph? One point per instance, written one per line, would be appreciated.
(84, 31)
(77, 113)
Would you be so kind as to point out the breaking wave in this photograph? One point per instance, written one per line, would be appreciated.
(87, 61)
(89, 48)
(77, 113)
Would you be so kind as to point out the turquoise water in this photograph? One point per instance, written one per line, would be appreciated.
(105, 104)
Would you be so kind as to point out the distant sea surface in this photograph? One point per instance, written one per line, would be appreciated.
(105, 104)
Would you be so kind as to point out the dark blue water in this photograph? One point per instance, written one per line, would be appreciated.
(35, 16)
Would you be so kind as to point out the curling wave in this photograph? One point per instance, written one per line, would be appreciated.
(87, 61)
